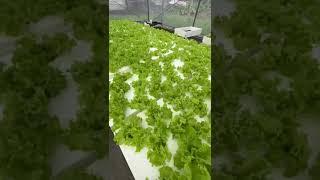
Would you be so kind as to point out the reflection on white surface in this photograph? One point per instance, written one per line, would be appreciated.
(139, 164)
(148, 95)
(130, 111)
(111, 122)
(168, 53)
(316, 52)
(111, 76)
(200, 119)
(208, 103)
(65, 105)
(173, 147)
(154, 58)
(132, 79)
(161, 64)
(124, 69)
(98, 168)
(177, 63)
(160, 102)
(7, 47)
(130, 94)
(163, 78)
(152, 49)
(179, 74)
(63, 157)
(143, 117)
(50, 25)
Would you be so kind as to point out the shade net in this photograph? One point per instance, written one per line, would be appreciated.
(174, 13)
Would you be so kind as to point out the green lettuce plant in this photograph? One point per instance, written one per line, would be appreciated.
(149, 54)
(275, 36)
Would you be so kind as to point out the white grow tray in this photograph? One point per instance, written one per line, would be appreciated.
(187, 31)
(206, 40)
(138, 163)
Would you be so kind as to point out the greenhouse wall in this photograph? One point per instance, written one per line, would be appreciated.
(174, 13)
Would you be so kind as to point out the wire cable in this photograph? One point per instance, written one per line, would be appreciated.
(195, 16)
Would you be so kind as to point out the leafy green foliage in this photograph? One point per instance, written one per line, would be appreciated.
(314, 171)
(27, 130)
(87, 16)
(89, 132)
(133, 46)
(272, 37)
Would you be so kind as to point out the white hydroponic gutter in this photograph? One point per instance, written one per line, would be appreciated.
(138, 162)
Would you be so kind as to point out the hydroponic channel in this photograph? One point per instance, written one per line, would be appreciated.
(160, 102)
(252, 107)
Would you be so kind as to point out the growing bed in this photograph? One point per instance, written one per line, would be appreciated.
(160, 102)
(268, 123)
(52, 56)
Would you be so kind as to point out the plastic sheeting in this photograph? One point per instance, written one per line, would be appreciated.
(175, 13)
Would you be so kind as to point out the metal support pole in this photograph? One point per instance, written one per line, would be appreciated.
(127, 4)
(162, 7)
(148, 10)
(195, 16)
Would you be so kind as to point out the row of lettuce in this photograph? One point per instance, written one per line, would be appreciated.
(28, 132)
(277, 37)
(169, 102)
